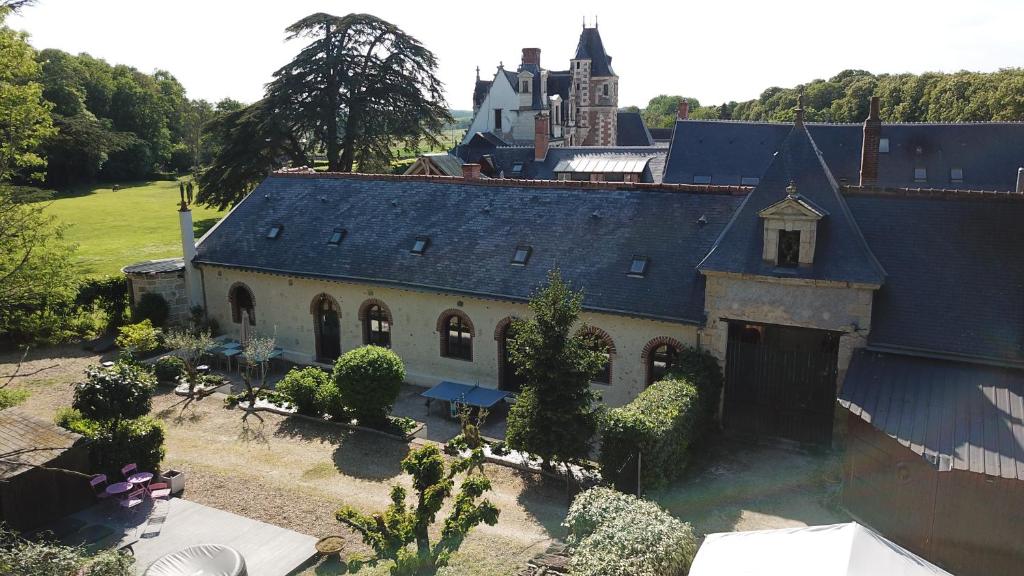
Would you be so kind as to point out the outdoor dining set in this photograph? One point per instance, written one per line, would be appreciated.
(133, 490)
(231, 350)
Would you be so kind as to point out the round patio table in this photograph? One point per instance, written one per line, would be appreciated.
(118, 488)
(140, 478)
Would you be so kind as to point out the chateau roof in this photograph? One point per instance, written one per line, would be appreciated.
(630, 130)
(591, 48)
(591, 232)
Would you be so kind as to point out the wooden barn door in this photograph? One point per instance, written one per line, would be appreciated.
(780, 382)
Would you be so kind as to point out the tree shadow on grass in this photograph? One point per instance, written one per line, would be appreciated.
(200, 227)
(90, 189)
(358, 454)
(546, 499)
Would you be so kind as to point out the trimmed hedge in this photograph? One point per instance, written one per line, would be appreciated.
(301, 387)
(615, 533)
(661, 424)
(169, 368)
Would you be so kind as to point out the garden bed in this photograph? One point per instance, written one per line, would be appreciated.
(404, 429)
(527, 463)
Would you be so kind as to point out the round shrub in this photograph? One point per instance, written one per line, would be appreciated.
(168, 368)
(615, 533)
(329, 402)
(369, 380)
(123, 391)
(300, 387)
(139, 441)
(152, 307)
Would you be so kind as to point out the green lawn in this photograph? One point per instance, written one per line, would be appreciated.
(114, 229)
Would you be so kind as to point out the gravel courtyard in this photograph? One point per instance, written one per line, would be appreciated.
(294, 473)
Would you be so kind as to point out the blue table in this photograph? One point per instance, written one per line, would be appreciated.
(464, 394)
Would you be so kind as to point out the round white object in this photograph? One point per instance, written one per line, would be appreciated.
(202, 560)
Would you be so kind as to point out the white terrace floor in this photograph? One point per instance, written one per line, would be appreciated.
(169, 526)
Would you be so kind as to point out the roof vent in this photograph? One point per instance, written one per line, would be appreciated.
(323, 198)
(596, 215)
(703, 220)
(266, 196)
(394, 203)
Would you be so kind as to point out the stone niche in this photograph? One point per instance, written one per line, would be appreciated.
(163, 277)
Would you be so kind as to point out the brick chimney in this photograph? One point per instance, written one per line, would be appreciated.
(531, 56)
(471, 171)
(1020, 180)
(683, 112)
(541, 136)
(869, 148)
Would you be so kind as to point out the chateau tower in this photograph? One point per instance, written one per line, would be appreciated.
(593, 93)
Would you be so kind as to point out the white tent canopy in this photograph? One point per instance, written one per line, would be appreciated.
(836, 550)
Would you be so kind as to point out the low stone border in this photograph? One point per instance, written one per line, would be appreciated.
(525, 463)
(265, 406)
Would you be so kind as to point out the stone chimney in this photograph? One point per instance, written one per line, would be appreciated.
(683, 112)
(531, 56)
(193, 283)
(541, 136)
(869, 148)
(471, 171)
(1020, 180)
(798, 118)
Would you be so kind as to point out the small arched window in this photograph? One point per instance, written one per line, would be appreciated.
(456, 336)
(377, 326)
(660, 361)
(242, 301)
(601, 342)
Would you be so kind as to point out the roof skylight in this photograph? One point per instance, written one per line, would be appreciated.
(336, 236)
(522, 255)
(419, 246)
(638, 266)
(274, 231)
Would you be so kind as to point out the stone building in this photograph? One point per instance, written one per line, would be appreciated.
(859, 282)
(165, 278)
(579, 105)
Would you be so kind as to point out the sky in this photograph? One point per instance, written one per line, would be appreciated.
(714, 51)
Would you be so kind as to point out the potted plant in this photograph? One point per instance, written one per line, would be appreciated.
(175, 480)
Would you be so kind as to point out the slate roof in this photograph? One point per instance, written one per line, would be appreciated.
(660, 134)
(591, 47)
(27, 441)
(955, 271)
(959, 416)
(480, 91)
(474, 229)
(841, 253)
(630, 130)
(989, 153)
(558, 83)
(155, 266)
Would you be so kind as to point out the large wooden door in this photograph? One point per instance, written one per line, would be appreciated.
(780, 382)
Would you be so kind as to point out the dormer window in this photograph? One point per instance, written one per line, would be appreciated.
(790, 230)
(956, 175)
(274, 231)
(920, 174)
(525, 87)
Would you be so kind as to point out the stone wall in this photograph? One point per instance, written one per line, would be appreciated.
(170, 285)
(282, 307)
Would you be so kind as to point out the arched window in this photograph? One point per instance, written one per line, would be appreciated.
(508, 378)
(456, 335)
(377, 326)
(601, 342)
(376, 319)
(241, 301)
(661, 360)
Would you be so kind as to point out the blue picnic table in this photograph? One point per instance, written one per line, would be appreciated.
(469, 395)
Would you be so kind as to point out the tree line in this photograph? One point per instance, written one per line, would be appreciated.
(929, 97)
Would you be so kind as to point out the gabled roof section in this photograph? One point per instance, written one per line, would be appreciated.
(480, 92)
(590, 47)
(794, 205)
(473, 228)
(27, 442)
(558, 83)
(630, 130)
(842, 255)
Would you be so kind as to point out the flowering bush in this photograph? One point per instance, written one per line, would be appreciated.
(615, 534)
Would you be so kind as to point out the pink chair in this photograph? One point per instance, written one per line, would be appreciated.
(160, 490)
(99, 485)
(133, 499)
(128, 469)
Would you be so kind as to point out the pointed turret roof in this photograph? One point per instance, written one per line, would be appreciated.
(841, 254)
(591, 48)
